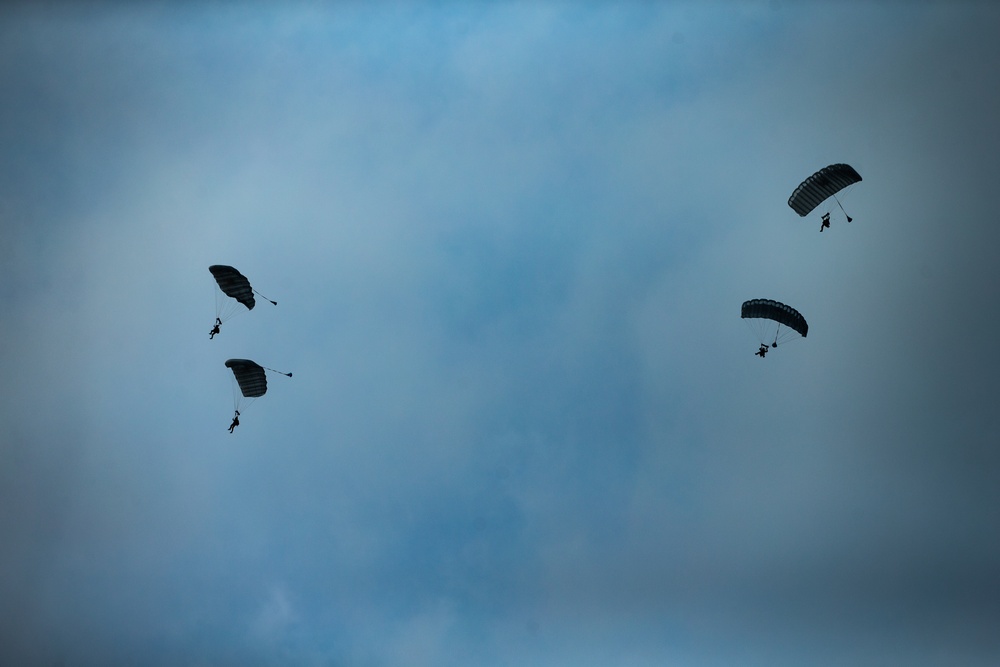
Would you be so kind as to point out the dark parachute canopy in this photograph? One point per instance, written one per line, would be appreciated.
(249, 381)
(822, 185)
(250, 376)
(773, 310)
(233, 284)
(766, 317)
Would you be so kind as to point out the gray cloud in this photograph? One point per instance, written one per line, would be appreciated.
(508, 246)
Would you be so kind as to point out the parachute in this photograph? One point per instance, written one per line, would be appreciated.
(249, 381)
(822, 185)
(234, 284)
(250, 376)
(235, 290)
(766, 317)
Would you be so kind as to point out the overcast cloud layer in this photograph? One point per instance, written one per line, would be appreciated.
(509, 243)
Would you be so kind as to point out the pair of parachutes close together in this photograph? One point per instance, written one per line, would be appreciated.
(772, 321)
(235, 295)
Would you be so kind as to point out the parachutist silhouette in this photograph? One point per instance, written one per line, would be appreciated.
(236, 421)
(215, 329)
(825, 224)
(762, 352)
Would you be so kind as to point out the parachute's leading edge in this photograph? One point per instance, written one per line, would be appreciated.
(822, 185)
(233, 284)
(250, 376)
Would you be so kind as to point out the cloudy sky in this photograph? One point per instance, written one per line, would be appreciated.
(509, 243)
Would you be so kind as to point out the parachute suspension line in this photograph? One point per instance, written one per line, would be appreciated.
(750, 328)
(240, 402)
(756, 329)
(264, 297)
(274, 371)
(776, 331)
(761, 330)
(225, 307)
(849, 218)
(220, 305)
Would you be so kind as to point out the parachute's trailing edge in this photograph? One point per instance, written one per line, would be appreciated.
(233, 284)
(768, 309)
(250, 376)
(822, 185)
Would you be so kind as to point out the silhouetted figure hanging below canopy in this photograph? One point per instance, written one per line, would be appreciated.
(824, 222)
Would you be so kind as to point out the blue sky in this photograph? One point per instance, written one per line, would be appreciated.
(509, 243)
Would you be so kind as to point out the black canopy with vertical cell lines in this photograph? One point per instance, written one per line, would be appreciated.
(822, 185)
(233, 284)
(250, 376)
(769, 309)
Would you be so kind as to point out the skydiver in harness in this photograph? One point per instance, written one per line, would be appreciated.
(236, 421)
(762, 352)
(825, 224)
(215, 329)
